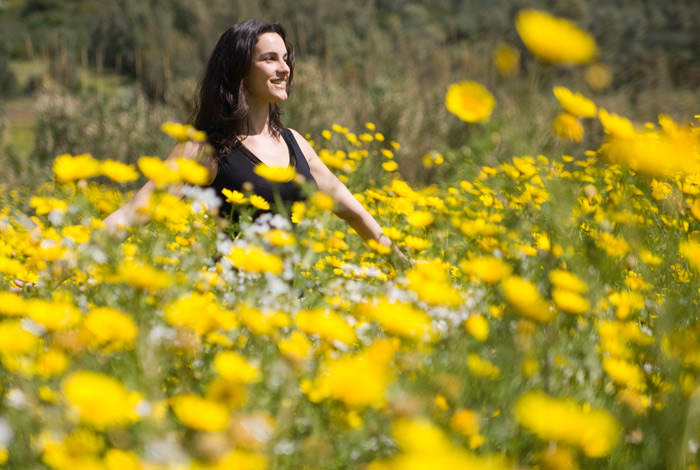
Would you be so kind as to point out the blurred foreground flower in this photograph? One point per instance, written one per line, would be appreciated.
(69, 168)
(183, 132)
(554, 39)
(470, 101)
(100, 400)
(595, 431)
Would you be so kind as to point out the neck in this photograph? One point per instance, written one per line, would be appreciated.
(258, 119)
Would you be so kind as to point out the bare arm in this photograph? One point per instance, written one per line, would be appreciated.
(130, 213)
(349, 208)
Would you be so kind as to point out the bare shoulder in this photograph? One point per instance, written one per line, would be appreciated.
(303, 144)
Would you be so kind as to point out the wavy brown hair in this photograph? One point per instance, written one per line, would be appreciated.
(222, 101)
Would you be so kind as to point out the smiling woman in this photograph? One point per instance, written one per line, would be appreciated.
(250, 72)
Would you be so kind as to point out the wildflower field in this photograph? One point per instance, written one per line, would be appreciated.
(547, 316)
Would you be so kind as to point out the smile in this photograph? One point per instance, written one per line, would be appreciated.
(282, 83)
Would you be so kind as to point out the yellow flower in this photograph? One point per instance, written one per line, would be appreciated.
(558, 458)
(326, 324)
(183, 132)
(554, 39)
(524, 296)
(487, 268)
(255, 260)
(295, 347)
(51, 362)
(567, 126)
(233, 367)
(598, 76)
(616, 125)
(44, 205)
(241, 459)
(358, 380)
(192, 172)
(421, 219)
(142, 276)
(431, 282)
(259, 202)
(53, 315)
(262, 323)
(77, 233)
(417, 243)
(111, 328)
(16, 340)
(234, 197)
(69, 168)
(424, 446)
(275, 174)
(118, 459)
(595, 431)
(506, 58)
(575, 103)
(624, 373)
(397, 318)
(12, 304)
(470, 101)
(100, 400)
(198, 312)
(478, 327)
(567, 281)
(200, 414)
(570, 302)
(157, 170)
(465, 422)
(626, 302)
(118, 171)
(279, 237)
(690, 250)
(390, 166)
(482, 367)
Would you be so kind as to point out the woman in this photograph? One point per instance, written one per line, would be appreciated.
(249, 72)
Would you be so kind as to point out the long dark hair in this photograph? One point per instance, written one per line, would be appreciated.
(222, 103)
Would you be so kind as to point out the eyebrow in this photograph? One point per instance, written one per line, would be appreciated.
(273, 53)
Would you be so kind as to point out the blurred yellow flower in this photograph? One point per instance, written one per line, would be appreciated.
(358, 380)
(431, 282)
(567, 126)
(624, 373)
(51, 362)
(421, 219)
(554, 39)
(478, 327)
(118, 171)
(486, 268)
(142, 276)
(192, 172)
(255, 260)
(575, 103)
(295, 347)
(397, 318)
(482, 367)
(119, 459)
(110, 328)
(567, 281)
(100, 400)
(557, 458)
(524, 296)
(390, 166)
(199, 312)
(690, 250)
(470, 101)
(595, 431)
(44, 205)
(598, 76)
(570, 302)
(328, 325)
(69, 168)
(233, 367)
(157, 170)
(183, 132)
(12, 304)
(465, 422)
(53, 315)
(261, 323)
(275, 174)
(199, 413)
(506, 58)
(16, 340)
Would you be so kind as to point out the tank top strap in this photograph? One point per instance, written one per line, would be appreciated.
(292, 143)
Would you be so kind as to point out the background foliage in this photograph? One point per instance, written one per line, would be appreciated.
(389, 61)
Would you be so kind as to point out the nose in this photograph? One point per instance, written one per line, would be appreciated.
(283, 67)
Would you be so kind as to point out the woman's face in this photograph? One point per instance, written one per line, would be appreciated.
(269, 72)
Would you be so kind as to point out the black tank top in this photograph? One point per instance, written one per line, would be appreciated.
(237, 169)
